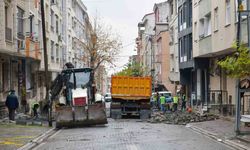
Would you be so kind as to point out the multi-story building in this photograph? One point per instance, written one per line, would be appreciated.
(146, 33)
(186, 61)
(21, 49)
(20, 52)
(174, 75)
(162, 49)
(75, 26)
(214, 32)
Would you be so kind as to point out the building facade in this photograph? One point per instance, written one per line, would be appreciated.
(186, 61)
(213, 22)
(174, 75)
(145, 37)
(21, 50)
(162, 48)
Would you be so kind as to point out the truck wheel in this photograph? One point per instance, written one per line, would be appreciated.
(145, 114)
(115, 114)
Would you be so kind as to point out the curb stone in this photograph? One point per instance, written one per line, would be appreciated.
(35, 142)
(214, 136)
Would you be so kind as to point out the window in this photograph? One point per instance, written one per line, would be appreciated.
(52, 20)
(216, 19)
(31, 25)
(190, 14)
(6, 16)
(57, 53)
(52, 50)
(195, 31)
(69, 21)
(180, 17)
(201, 28)
(157, 18)
(20, 27)
(207, 25)
(228, 12)
(57, 24)
(171, 8)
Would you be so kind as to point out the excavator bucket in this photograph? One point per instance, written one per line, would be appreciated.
(78, 116)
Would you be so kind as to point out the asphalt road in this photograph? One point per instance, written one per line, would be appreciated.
(130, 135)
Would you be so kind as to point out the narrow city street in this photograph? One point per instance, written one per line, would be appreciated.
(130, 134)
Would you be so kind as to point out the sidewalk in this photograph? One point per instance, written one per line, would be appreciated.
(16, 134)
(222, 130)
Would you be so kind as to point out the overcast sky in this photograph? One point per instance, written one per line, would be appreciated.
(123, 15)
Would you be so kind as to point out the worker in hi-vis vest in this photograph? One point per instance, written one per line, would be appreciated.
(162, 101)
(175, 102)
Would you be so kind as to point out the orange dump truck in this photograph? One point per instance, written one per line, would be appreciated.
(130, 96)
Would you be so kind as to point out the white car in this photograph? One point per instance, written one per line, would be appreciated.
(107, 97)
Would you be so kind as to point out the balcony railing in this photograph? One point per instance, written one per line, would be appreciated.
(8, 34)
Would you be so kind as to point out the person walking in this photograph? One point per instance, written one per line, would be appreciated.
(162, 101)
(183, 104)
(12, 104)
(175, 105)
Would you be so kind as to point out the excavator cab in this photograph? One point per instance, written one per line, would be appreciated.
(71, 92)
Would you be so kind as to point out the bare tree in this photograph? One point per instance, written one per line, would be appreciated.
(102, 48)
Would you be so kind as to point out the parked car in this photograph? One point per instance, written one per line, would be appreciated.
(107, 97)
(167, 94)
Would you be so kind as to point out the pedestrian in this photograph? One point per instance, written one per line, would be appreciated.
(175, 105)
(183, 104)
(162, 101)
(12, 104)
(35, 107)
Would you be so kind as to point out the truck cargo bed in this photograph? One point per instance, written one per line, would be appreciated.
(131, 88)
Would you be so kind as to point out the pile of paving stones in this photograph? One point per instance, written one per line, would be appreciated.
(181, 117)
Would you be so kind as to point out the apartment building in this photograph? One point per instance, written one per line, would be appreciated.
(75, 34)
(20, 52)
(21, 48)
(162, 48)
(186, 61)
(214, 29)
(145, 35)
(174, 75)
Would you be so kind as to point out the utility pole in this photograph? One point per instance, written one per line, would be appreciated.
(45, 55)
(237, 95)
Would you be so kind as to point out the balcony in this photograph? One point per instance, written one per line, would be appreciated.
(8, 34)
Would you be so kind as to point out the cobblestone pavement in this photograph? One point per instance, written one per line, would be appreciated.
(224, 130)
(13, 136)
(130, 135)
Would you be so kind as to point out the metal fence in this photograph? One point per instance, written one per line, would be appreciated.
(219, 102)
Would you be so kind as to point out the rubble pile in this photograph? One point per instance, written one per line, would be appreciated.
(181, 118)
